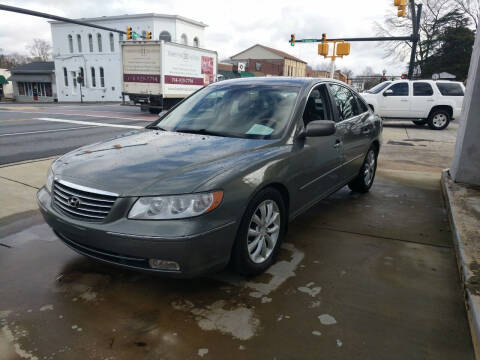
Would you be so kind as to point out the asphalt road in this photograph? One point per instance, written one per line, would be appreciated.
(30, 132)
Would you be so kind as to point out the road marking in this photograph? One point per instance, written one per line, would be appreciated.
(91, 123)
(114, 116)
(47, 131)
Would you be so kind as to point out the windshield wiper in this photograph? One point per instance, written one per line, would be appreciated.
(201, 132)
(155, 127)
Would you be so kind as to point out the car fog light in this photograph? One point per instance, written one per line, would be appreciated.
(163, 264)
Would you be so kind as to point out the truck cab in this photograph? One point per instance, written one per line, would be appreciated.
(430, 102)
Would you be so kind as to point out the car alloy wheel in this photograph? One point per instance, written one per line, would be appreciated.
(369, 167)
(263, 231)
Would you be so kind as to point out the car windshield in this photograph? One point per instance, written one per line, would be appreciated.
(247, 111)
(377, 88)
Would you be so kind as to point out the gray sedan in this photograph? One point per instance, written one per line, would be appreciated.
(216, 179)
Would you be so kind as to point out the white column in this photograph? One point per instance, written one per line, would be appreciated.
(466, 159)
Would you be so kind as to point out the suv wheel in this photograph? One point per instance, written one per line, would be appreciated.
(364, 180)
(260, 233)
(438, 119)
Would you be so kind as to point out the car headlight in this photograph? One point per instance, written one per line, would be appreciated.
(175, 207)
(49, 181)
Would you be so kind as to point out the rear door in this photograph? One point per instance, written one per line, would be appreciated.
(394, 101)
(351, 128)
(421, 100)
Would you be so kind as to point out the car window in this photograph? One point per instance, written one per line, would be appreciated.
(450, 89)
(361, 104)
(317, 106)
(422, 89)
(346, 104)
(399, 89)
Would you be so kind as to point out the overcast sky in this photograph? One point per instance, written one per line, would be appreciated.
(232, 25)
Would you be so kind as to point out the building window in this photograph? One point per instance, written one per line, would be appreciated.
(165, 36)
(196, 43)
(79, 43)
(99, 41)
(65, 76)
(184, 39)
(258, 66)
(94, 81)
(90, 42)
(112, 43)
(102, 78)
(21, 89)
(70, 43)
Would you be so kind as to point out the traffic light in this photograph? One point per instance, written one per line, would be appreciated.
(129, 33)
(402, 11)
(149, 35)
(343, 49)
(323, 48)
(400, 2)
(292, 39)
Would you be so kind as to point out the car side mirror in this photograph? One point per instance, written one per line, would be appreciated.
(387, 92)
(320, 128)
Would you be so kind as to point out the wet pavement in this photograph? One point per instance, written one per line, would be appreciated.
(359, 277)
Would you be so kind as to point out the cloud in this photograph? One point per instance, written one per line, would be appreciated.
(233, 25)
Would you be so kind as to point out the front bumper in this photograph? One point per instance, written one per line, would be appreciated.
(114, 242)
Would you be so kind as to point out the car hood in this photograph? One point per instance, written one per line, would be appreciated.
(151, 162)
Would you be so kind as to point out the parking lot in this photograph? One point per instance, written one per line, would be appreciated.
(359, 276)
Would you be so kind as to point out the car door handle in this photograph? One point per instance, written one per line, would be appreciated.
(366, 129)
(338, 143)
(404, 100)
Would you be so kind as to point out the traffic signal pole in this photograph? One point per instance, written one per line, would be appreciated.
(416, 15)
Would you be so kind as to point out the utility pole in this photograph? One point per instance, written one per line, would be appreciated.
(416, 15)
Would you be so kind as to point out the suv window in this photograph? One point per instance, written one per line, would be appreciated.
(399, 89)
(317, 107)
(346, 104)
(450, 89)
(422, 89)
(361, 104)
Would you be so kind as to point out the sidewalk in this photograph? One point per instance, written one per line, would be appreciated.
(19, 183)
(463, 205)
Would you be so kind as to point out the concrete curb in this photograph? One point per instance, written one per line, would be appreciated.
(465, 257)
(29, 161)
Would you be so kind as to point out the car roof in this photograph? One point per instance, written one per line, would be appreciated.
(277, 80)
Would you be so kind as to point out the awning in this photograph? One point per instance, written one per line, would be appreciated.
(247, 74)
(3, 81)
(31, 78)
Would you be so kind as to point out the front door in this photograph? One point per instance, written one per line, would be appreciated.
(395, 102)
(318, 159)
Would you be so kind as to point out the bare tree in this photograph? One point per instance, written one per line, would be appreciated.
(40, 49)
(435, 15)
(348, 72)
(470, 9)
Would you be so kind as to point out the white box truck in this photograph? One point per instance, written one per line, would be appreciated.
(158, 74)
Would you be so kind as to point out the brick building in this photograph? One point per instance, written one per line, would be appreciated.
(265, 61)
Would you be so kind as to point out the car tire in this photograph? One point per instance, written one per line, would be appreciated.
(154, 111)
(438, 119)
(419, 122)
(364, 180)
(252, 253)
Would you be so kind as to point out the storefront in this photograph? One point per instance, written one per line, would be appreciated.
(34, 82)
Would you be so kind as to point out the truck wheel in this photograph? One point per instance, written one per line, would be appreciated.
(260, 233)
(419, 122)
(438, 119)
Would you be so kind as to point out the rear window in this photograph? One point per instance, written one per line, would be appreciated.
(422, 89)
(450, 89)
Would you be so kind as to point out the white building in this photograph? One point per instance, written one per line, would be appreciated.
(96, 53)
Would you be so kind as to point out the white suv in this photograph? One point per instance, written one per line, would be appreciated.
(423, 101)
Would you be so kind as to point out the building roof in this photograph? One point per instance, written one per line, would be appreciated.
(35, 67)
(136, 16)
(275, 51)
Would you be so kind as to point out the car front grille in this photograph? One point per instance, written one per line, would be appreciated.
(82, 202)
